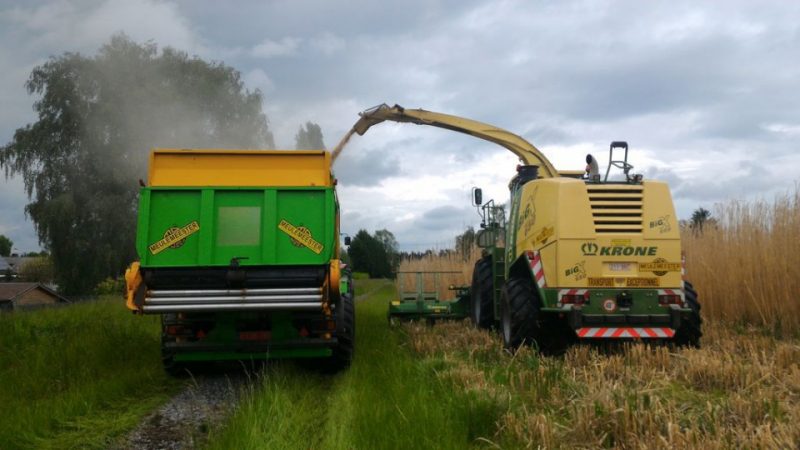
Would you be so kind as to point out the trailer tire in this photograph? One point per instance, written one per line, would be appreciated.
(690, 330)
(481, 294)
(519, 313)
(171, 367)
(344, 351)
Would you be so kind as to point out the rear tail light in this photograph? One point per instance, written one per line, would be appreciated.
(670, 299)
(263, 335)
(174, 330)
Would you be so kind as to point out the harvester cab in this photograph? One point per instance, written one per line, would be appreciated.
(621, 147)
(493, 221)
(583, 257)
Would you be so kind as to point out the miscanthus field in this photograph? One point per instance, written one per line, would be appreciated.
(83, 376)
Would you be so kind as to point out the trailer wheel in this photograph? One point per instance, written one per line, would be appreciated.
(346, 335)
(172, 367)
(690, 330)
(519, 313)
(482, 298)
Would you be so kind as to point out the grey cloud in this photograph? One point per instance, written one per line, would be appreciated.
(442, 217)
(686, 80)
(367, 168)
(748, 177)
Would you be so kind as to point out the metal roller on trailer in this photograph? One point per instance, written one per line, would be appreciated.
(581, 257)
(239, 255)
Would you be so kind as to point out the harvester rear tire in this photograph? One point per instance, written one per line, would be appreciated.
(344, 351)
(519, 313)
(690, 330)
(482, 295)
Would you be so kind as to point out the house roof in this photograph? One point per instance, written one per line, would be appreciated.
(10, 291)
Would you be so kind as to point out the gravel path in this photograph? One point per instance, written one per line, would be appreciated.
(184, 421)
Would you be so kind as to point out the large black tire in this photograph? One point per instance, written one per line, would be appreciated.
(482, 294)
(344, 351)
(172, 367)
(519, 313)
(690, 330)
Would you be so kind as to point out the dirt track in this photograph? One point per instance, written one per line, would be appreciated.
(184, 421)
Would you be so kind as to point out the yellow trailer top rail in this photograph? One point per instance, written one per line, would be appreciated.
(185, 167)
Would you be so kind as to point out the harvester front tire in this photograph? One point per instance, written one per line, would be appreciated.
(482, 298)
(519, 313)
(690, 330)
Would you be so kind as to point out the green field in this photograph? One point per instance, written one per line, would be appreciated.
(388, 398)
(77, 376)
(82, 376)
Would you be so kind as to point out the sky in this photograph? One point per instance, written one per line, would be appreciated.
(706, 93)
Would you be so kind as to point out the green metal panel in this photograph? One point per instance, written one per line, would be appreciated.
(239, 356)
(307, 210)
(172, 209)
(218, 224)
(644, 301)
(238, 226)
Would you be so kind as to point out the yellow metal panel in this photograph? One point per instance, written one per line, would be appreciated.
(577, 248)
(658, 213)
(174, 167)
(571, 173)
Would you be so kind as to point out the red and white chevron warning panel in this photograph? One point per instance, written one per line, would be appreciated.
(625, 332)
(536, 267)
(563, 292)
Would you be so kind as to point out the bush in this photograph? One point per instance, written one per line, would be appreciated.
(111, 286)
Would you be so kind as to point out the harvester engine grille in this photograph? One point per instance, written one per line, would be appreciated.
(616, 208)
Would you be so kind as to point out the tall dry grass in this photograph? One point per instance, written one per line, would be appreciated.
(739, 391)
(746, 264)
(442, 262)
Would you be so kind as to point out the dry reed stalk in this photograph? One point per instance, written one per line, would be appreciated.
(740, 390)
(746, 266)
(447, 260)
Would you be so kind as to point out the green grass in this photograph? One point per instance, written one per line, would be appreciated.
(77, 376)
(389, 398)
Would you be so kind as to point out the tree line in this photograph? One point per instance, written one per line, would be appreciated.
(97, 119)
(376, 254)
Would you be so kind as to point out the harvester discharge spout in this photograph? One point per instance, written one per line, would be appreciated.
(527, 152)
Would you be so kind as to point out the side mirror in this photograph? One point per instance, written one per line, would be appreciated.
(347, 240)
(477, 197)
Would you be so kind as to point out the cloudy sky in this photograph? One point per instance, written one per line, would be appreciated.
(706, 93)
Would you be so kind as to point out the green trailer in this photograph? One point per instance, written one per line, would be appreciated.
(239, 255)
